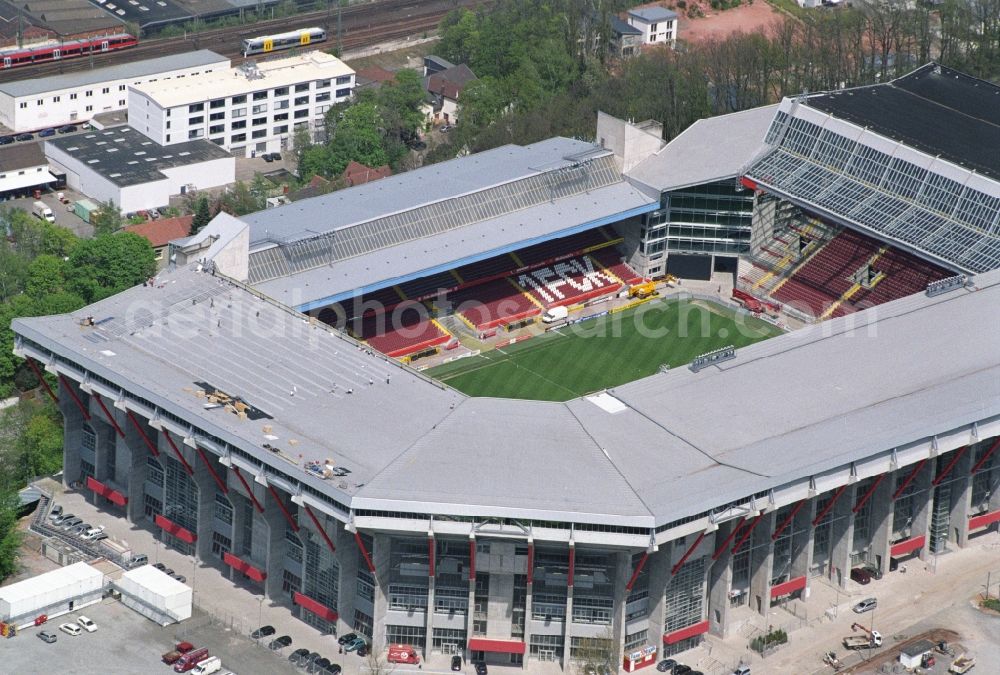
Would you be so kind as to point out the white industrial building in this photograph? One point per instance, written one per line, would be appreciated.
(253, 108)
(127, 168)
(46, 102)
(23, 167)
(54, 593)
(155, 594)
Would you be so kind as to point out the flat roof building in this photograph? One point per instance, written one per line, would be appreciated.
(23, 167)
(248, 109)
(122, 165)
(71, 98)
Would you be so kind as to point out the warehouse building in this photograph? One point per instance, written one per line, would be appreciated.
(125, 167)
(23, 168)
(72, 98)
(250, 109)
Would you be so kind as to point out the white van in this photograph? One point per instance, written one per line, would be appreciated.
(554, 314)
(212, 664)
(40, 210)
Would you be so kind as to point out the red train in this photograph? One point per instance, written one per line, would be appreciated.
(13, 57)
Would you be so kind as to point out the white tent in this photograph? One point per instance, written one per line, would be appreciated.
(57, 592)
(156, 595)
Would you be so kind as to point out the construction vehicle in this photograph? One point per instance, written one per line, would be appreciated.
(870, 639)
(962, 664)
(944, 648)
(646, 289)
(831, 660)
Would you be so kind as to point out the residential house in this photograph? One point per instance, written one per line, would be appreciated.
(359, 174)
(443, 91)
(161, 232)
(658, 24)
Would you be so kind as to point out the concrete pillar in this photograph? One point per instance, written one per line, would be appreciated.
(528, 601)
(623, 572)
(347, 558)
(842, 536)
(961, 499)
(206, 508)
(72, 434)
(761, 563)
(382, 559)
(470, 615)
(803, 539)
(568, 623)
(720, 581)
(103, 450)
(881, 523)
(429, 614)
(134, 472)
(274, 548)
(923, 497)
(500, 562)
(658, 568)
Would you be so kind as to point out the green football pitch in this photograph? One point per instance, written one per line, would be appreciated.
(604, 352)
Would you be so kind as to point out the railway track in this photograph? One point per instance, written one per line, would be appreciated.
(361, 25)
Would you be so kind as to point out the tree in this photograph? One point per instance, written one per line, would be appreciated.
(107, 219)
(202, 215)
(10, 536)
(301, 141)
(110, 263)
(238, 200)
(595, 652)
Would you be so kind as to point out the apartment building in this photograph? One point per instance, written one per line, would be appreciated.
(248, 110)
(658, 24)
(41, 103)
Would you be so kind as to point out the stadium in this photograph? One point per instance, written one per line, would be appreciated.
(263, 404)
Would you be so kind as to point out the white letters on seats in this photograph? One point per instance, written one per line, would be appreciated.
(577, 273)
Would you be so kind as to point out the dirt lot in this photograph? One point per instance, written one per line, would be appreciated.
(754, 18)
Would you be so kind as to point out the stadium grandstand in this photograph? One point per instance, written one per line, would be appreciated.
(238, 405)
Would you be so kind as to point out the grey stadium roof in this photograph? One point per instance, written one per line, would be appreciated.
(127, 157)
(682, 443)
(124, 71)
(696, 156)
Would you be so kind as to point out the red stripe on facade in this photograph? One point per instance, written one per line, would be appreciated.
(322, 532)
(145, 438)
(909, 479)
(317, 608)
(109, 493)
(176, 530)
(531, 563)
(41, 378)
(472, 560)
(281, 505)
(867, 495)
(180, 455)
(572, 566)
(822, 514)
(907, 546)
(687, 554)
(676, 636)
(746, 535)
(431, 550)
(983, 520)
(951, 465)
(748, 183)
(788, 520)
(243, 566)
(107, 413)
(364, 553)
(246, 486)
(496, 646)
(982, 461)
(79, 403)
(725, 542)
(790, 586)
(208, 465)
(638, 570)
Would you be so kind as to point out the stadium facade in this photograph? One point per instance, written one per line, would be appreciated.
(212, 405)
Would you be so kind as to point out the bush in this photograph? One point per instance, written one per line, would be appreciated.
(682, 4)
(772, 639)
(991, 604)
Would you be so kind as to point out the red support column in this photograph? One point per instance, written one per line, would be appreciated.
(79, 403)
(531, 562)
(909, 479)
(687, 554)
(431, 550)
(788, 520)
(725, 543)
(472, 560)
(138, 427)
(829, 507)
(236, 470)
(638, 570)
(322, 532)
(982, 461)
(107, 413)
(180, 456)
(747, 533)
(951, 465)
(572, 566)
(364, 552)
(867, 495)
(41, 378)
(211, 469)
(284, 510)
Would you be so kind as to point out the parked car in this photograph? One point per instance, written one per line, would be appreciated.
(666, 666)
(446, 128)
(861, 575)
(24, 137)
(68, 129)
(62, 518)
(681, 669)
(456, 662)
(70, 523)
(279, 643)
(309, 659)
(45, 133)
(69, 628)
(190, 660)
(332, 669)
(865, 605)
(481, 668)
(79, 529)
(179, 650)
(86, 624)
(298, 654)
(138, 561)
(99, 537)
(267, 157)
(6, 140)
(55, 512)
(91, 534)
(355, 644)
(209, 666)
(46, 636)
(169, 572)
(318, 666)
(742, 670)
(344, 639)
(873, 570)
(261, 632)
(363, 650)
(180, 577)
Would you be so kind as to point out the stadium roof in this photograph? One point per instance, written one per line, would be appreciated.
(682, 443)
(423, 221)
(935, 109)
(696, 156)
(124, 71)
